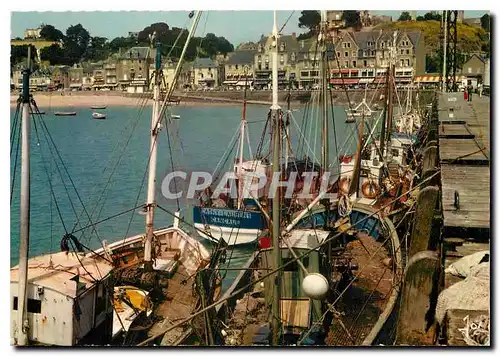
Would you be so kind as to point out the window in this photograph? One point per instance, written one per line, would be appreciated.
(354, 53)
(140, 68)
(306, 65)
(408, 62)
(354, 64)
(304, 74)
(34, 306)
(314, 73)
(344, 45)
(346, 54)
(370, 73)
(395, 152)
(363, 74)
(267, 65)
(282, 59)
(259, 66)
(236, 66)
(365, 63)
(402, 51)
(373, 53)
(259, 58)
(346, 64)
(338, 54)
(139, 61)
(348, 44)
(382, 44)
(201, 75)
(402, 63)
(469, 70)
(293, 57)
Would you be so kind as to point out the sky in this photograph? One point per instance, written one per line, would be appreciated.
(236, 26)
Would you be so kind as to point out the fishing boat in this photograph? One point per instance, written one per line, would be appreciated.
(236, 220)
(379, 169)
(290, 290)
(126, 290)
(98, 107)
(98, 116)
(65, 113)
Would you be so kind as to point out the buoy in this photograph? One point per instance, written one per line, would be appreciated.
(370, 190)
(315, 286)
(344, 184)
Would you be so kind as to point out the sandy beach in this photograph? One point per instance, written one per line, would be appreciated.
(86, 100)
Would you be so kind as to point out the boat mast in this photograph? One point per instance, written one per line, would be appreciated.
(22, 321)
(155, 129)
(275, 114)
(324, 90)
(390, 97)
(384, 116)
(240, 159)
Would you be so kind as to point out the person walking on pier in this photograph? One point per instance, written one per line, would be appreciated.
(469, 94)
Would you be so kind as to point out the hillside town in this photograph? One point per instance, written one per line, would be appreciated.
(358, 57)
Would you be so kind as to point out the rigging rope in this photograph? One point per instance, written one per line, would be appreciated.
(283, 266)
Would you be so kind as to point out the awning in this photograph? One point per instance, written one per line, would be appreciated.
(403, 79)
(230, 82)
(366, 80)
(244, 82)
(345, 81)
(427, 79)
(344, 71)
(75, 85)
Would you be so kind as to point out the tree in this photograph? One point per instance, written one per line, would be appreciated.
(420, 18)
(19, 53)
(54, 54)
(97, 49)
(121, 42)
(50, 33)
(309, 19)
(485, 22)
(405, 16)
(160, 29)
(76, 43)
(351, 18)
(432, 16)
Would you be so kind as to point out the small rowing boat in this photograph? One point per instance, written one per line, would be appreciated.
(97, 107)
(65, 113)
(98, 116)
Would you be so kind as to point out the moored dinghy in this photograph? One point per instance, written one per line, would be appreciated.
(98, 116)
(65, 113)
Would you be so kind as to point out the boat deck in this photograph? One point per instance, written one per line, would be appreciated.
(364, 301)
(179, 304)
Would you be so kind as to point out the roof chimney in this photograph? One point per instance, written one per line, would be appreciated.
(294, 35)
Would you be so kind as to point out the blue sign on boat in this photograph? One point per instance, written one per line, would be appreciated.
(225, 217)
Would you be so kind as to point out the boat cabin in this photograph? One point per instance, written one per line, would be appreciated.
(67, 300)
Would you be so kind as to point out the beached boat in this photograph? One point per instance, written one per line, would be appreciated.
(65, 113)
(98, 116)
(73, 298)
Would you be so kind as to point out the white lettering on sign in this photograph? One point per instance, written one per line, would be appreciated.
(226, 213)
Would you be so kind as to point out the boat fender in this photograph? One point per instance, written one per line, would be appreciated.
(76, 244)
(344, 184)
(370, 189)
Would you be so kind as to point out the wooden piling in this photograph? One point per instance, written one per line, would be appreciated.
(422, 226)
(418, 300)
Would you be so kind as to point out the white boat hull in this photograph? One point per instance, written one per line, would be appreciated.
(230, 235)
